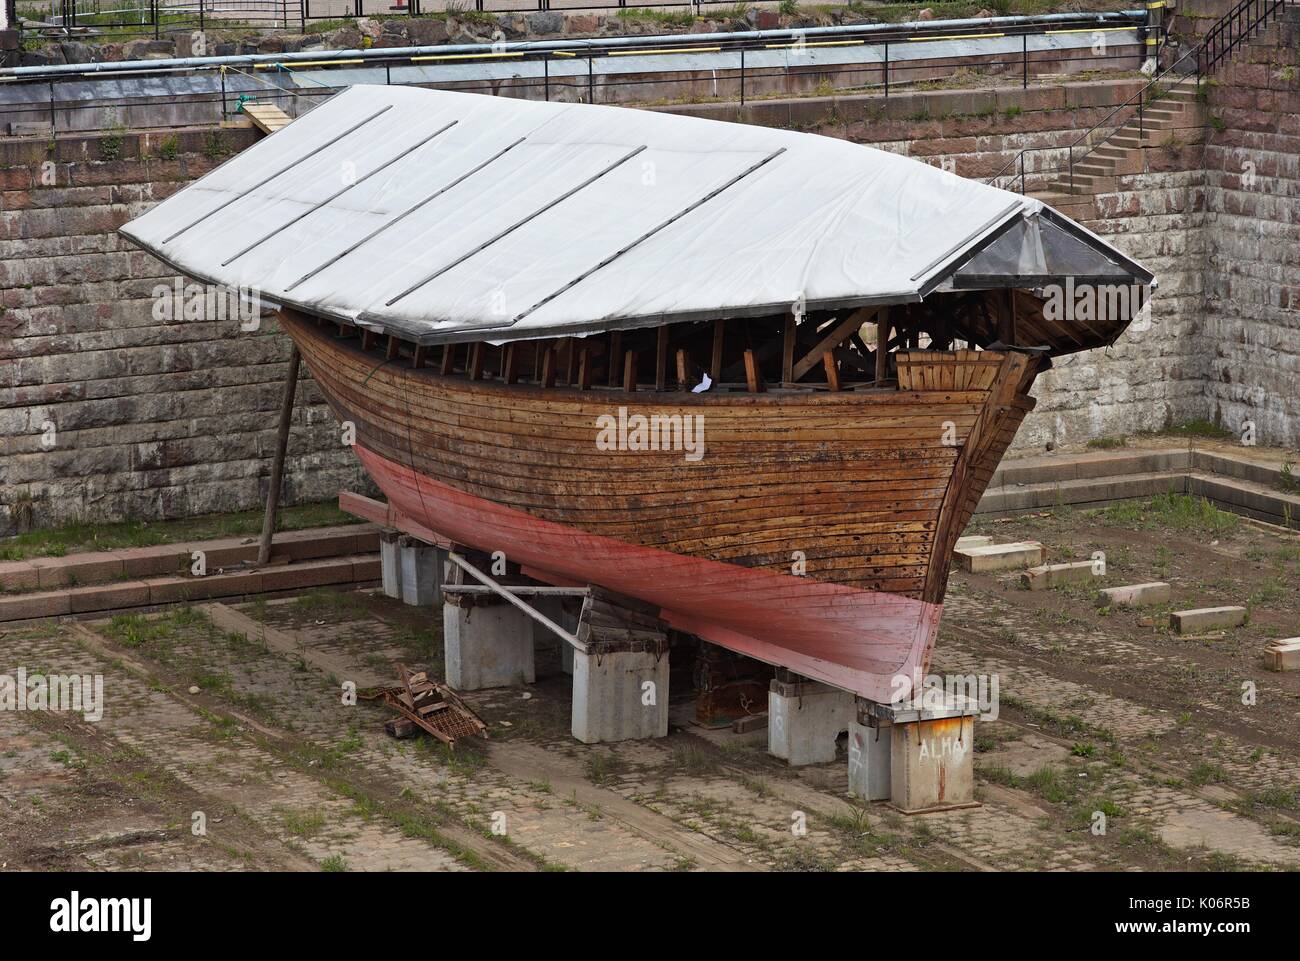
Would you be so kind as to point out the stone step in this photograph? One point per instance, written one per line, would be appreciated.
(1000, 557)
(973, 540)
(1096, 167)
(1084, 183)
(1204, 619)
(99, 567)
(1057, 575)
(1283, 655)
(1095, 479)
(358, 569)
(1134, 595)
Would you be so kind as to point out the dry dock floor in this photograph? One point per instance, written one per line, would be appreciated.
(1100, 710)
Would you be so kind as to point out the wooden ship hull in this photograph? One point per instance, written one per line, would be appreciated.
(504, 279)
(815, 531)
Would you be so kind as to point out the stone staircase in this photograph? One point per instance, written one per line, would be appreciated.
(1172, 114)
(1177, 115)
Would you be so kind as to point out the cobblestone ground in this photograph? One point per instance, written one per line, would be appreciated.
(1116, 746)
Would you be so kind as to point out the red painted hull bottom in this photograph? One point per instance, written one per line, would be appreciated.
(862, 641)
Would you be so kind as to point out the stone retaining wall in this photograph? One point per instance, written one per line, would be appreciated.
(163, 419)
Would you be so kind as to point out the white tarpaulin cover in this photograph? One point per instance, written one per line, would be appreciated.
(431, 213)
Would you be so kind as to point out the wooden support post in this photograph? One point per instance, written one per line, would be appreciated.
(584, 368)
(510, 364)
(753, 379)
(715, 368)
(787, 350)
(570, 374)
(277, 463)
(539, 358)
(448, 358)
(1007, 320)
(882, 345)
(419, 356)
(548, 366)
(367, 338)
(661, 358)
(615, 355)
(475, 366)
(832, 371)
(683, 369)
(394, 346)
(629, 371)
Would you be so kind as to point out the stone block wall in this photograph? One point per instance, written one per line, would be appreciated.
(1252, 184)
(107, 413)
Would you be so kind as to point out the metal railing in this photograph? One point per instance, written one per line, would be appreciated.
(1243, 22)
(1240, 24)
(739, 67)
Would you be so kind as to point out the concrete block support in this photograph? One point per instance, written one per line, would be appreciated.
(390, 564)
(869, 760)
(1283, 655)
(999, 557)
(1207, 619)
(804, 718)
(1134, 595)
(486, 643)
(421, 572)
(932, 764)
(928, 763)
(619, 695)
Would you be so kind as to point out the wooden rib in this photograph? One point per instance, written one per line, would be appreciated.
(629, 371)
(683, 370)
(419, 356)
(448, 359)
(584, 368)
(615, 352)
(838, 333)
(367, 338)
(787, 350)
(753, 378)
(474, 366)
(1007, 319)
(715, 366)
(510, 364)
(882, 345)
(394, 345)
(832, 371)
(570, 361)
(548, 366)
(661, 358)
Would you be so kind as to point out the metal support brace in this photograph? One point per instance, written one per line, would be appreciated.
(528, 609)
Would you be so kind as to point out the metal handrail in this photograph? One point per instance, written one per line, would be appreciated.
(1204, 66)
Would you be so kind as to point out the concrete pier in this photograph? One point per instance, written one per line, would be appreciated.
(486, 643)
(931, 754)
(620, 695)
(869, 759)
(390, 564)
(804, 719)
(421, 572)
